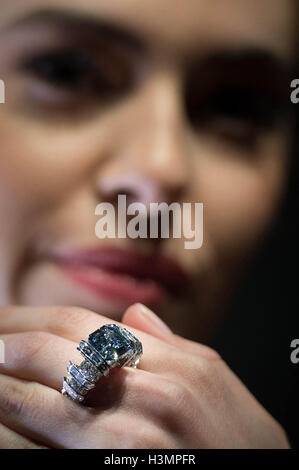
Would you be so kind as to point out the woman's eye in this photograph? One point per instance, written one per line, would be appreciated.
(240, 104)
(74, 77)
(238, 112)
(65, 69)
(239, 96)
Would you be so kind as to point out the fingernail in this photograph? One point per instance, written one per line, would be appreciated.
(153, 318)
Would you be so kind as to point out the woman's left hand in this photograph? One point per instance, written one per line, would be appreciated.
(182, 395)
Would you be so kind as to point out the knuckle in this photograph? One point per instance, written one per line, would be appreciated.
(176, 409)
(30, 345)
(17, 398)
(204, 374)
(168, 398)
(150, 438)
(140, 434)
(175, 392)
(198, 349)
(211, 354)
(72, 415)
(70, 315)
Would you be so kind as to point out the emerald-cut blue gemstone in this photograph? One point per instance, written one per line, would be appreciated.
(111, 343)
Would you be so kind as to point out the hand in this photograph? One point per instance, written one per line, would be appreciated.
(182, 395)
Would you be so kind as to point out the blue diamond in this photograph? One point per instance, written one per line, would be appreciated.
(111, 343)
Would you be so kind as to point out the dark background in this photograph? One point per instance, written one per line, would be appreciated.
(255, 337)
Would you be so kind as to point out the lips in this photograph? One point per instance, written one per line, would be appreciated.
(124, 276)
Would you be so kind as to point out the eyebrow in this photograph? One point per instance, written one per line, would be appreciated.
(254, 60)
(73, 20)
(78, 23)
(251, 54)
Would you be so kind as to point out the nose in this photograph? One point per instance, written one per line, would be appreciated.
(136, 187)
(150, 162)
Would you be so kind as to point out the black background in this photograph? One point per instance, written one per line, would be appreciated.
(255, 337)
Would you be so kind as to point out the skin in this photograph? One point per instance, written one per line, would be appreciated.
(56, 165)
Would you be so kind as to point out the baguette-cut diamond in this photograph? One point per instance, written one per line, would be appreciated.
(84, 378)
(89, 371)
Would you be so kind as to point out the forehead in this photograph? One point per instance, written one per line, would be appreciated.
(183, 25)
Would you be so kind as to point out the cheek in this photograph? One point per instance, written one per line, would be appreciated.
(40, 164)
(240, 198)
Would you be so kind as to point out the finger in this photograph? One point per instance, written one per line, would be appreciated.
(142, 318)
(43, 358)
(38, 357)
(44, 415)
(74, 324)
(158, 356)
(11, 440)
(39, 413)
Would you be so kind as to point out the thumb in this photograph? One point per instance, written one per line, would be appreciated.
(142, 318)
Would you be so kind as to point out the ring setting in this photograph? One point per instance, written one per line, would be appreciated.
(108, 347)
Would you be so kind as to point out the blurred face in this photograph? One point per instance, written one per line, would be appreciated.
(159, 101)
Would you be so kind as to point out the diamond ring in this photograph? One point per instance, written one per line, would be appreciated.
(110, 346)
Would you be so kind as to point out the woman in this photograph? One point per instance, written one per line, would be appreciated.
(159, 102)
